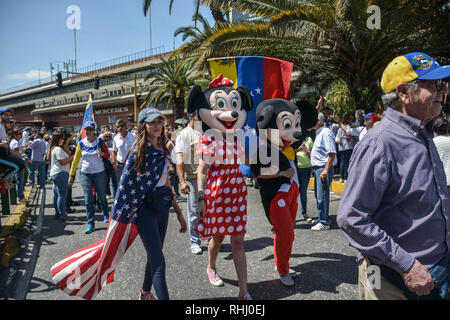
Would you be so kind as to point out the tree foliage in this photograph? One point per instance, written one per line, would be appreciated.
(170, 85)
(328, 38)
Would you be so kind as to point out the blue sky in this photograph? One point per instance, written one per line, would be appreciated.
(34, 33)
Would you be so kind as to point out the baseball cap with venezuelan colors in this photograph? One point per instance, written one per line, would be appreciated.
(412, 66)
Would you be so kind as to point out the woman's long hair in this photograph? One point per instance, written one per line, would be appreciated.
(56, 135)
(140, 143)
(13, 135)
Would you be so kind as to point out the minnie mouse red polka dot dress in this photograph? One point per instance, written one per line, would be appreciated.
(225, 189)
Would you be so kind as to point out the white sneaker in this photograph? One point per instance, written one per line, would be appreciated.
(287, 280)
(320, 227)
(196, 249)
(292, 272)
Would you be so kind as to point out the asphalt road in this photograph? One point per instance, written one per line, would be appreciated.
(324, 261)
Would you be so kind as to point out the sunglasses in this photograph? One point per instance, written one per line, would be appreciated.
(441, 85)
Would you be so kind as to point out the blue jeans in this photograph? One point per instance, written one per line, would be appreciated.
(304, 174)
(19, 185)
(192, 210)
(114, 182)
(88, 181)
(345, 159)
(119, 174)
(40, 167)
(60, 189)
(152, 228)
(322, 192)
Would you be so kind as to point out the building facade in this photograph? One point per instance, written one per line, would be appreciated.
(63, 107)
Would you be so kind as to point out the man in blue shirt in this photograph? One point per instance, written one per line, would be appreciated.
(395, 209)
(323, 160)
(38, 150)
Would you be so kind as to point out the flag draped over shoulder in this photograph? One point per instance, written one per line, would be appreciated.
(265, 78)
(85, 271)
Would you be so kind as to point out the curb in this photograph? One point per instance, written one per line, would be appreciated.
(9, 244)
(336, 186)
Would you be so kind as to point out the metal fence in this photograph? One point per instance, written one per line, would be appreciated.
(131, 58)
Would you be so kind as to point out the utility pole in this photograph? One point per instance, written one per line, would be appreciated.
(75, 40)
(135, 101)
(150, 22)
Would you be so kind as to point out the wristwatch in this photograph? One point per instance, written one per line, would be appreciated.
(280, 174)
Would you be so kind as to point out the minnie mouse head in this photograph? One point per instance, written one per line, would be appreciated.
(289, 119)
(220, 106)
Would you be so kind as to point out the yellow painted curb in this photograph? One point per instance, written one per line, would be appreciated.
(10, 249)
(336, 187)
(16, 220)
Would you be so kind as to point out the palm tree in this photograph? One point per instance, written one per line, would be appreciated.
(216, 13)
(195, 35)
(175, 77)
(330, 38)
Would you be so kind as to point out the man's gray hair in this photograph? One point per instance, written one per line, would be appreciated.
(392, 100)
(321, 117)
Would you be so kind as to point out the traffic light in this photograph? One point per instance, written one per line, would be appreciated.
(96, 84)
(131, 118)
(59, 79)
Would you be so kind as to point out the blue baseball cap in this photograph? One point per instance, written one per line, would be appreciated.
(367, 115)
(3, 110)
(89, 124)
(149, 114)
(412, 66)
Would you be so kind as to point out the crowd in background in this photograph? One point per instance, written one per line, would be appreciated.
(51, 155)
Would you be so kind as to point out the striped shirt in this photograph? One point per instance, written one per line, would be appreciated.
(443, 147)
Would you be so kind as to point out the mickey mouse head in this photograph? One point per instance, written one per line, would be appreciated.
(288, 119)
(220, 106)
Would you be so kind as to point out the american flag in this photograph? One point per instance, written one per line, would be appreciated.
(85, 271)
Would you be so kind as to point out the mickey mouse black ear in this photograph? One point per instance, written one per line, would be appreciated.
(309, 114)
(196, 99)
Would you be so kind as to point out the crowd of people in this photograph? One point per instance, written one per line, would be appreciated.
(356, 146)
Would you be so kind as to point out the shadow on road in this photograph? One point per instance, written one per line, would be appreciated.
(326, 273)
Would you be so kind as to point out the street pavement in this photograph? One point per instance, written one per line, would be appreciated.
(324, 261)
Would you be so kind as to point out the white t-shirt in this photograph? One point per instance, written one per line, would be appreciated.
(443, 148)
(122, 145)
(14, 144)
(55, 166)
(91, 162)
(163, 180)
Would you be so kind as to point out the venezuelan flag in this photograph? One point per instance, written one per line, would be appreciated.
(88, 117)
(265, 77)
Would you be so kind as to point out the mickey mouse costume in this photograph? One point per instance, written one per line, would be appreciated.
(222, 110)
(223, 204)
(280, 124)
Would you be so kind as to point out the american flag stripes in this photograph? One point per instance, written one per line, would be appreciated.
(84, 272)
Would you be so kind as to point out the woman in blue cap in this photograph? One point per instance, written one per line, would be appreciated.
(141, 206)
(153, 215)
(90, 150)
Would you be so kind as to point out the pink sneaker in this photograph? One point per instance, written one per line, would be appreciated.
(246, 296)
(148, 296)
(214, 279)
